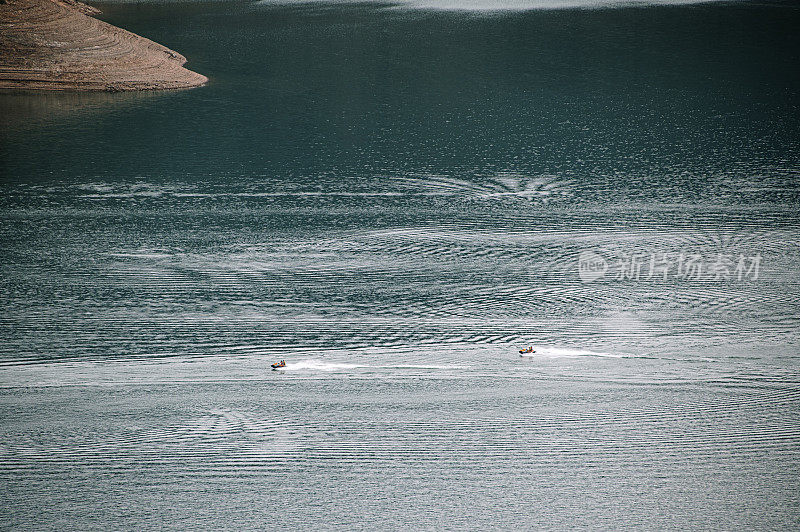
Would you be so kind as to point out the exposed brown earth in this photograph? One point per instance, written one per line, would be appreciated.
(56, 45)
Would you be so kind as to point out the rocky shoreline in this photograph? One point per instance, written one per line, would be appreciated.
(58, 45)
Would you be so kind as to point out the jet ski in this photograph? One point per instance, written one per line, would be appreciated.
(279, 365)
(526, 351)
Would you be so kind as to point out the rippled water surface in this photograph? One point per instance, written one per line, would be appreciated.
(395, 201)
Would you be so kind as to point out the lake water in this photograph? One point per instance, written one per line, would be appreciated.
(396, 199)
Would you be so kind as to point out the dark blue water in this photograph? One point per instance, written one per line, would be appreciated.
(395, 200)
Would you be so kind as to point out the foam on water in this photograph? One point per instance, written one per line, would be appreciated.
(563, 352)
(316, 365)
(319, 365)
